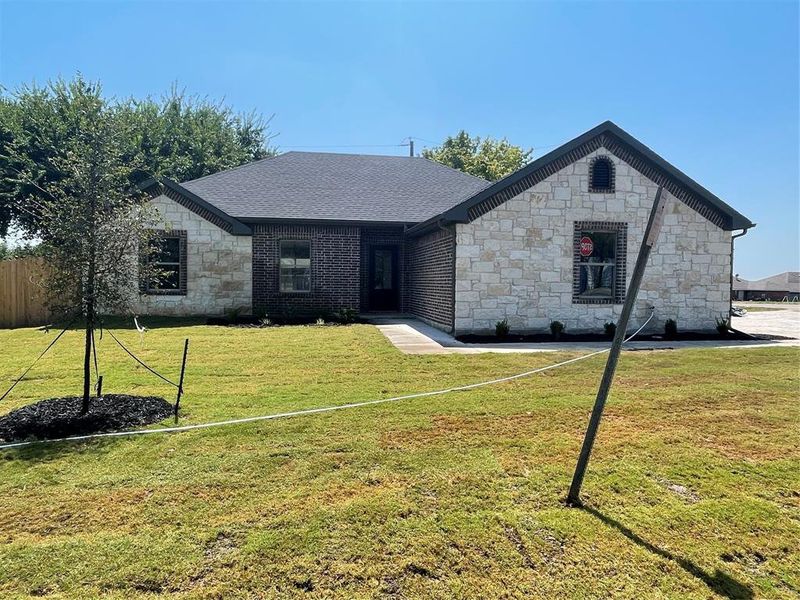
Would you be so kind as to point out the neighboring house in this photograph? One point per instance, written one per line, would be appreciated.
(784, 286)
(311, 233)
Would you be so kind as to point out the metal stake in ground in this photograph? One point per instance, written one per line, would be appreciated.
(180, 381)
(650, 236)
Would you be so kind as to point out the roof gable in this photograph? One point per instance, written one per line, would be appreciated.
(625, 147)
(187, 199)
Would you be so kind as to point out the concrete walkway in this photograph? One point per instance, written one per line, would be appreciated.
(412, 336)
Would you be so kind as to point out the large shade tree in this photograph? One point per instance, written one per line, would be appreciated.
(178, 136)
(488, 158)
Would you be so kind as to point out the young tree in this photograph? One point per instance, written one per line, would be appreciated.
(487, 158)
(78, 189)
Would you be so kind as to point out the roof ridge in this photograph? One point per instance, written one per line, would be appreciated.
(247, 164)
(348, 154)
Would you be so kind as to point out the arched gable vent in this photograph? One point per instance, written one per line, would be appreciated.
(601, 175)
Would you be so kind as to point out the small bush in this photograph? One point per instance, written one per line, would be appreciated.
(234, 314)
(610, 329)
(556, 329)
(345, 316)
(501, 328)
(320, 321)
(722, 326)
(265, 321)
(671, 328)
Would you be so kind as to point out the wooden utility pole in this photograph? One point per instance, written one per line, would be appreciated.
(180, 381)
(650, 236)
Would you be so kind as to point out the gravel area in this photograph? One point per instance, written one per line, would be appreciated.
(60, 417)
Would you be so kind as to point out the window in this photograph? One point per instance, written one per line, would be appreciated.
(169, 261)
(598, 258)
(295, 266)
(599, 263)
(601, 175)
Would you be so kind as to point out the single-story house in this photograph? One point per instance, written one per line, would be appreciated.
(783, 286)
(312, 233)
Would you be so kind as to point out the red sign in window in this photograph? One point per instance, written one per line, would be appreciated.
(587, 246)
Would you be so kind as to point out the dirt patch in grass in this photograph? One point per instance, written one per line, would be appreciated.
(61, 417)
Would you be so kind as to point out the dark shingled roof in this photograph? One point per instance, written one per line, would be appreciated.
(325, 186)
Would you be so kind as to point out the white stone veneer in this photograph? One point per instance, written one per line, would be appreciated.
(219, 267)
(516, 261)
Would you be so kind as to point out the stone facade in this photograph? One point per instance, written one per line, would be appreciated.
(517, 260)
(218, 267)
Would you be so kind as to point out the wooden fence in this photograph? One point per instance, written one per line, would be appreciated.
(21, 297)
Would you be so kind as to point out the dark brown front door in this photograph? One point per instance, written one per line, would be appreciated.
(383, 278)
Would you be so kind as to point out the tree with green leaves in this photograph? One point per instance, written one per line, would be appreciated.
(176, 136)
(185, 137)
(78, 189)
(488, 158)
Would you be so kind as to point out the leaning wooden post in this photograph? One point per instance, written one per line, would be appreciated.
(650, 236)
(180, 381)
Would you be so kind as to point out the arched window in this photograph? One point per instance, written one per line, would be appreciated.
(601, 175)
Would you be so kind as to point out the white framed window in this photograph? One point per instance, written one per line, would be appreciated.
(295, 266)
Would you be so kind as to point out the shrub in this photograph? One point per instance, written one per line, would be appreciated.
(610, 329)
(671, 328)
(556, 329)
(265, 321)
(501, 328)
(345, 315)
(233, 314)
(722, 326)
(320, 321)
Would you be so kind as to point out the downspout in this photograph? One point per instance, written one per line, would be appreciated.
(730, 295)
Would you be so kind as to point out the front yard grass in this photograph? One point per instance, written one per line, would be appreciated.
(693, 490)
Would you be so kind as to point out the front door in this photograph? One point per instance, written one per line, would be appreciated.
(383, 278)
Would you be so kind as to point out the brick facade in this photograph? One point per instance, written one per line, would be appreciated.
(335, 270)
(430, 273)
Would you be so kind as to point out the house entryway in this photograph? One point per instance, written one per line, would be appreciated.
(384, 278)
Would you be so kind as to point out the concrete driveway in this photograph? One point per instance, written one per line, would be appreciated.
(769, 319)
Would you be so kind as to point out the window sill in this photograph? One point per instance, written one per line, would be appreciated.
(164, 293)
(594, 301)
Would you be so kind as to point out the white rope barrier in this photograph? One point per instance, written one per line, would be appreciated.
(325, 409)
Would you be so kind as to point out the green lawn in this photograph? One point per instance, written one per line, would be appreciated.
(453, 496)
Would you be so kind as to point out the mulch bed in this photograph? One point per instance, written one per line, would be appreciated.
(682, 336)
(60, 417)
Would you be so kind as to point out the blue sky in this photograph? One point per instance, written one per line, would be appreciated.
(712, 87)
